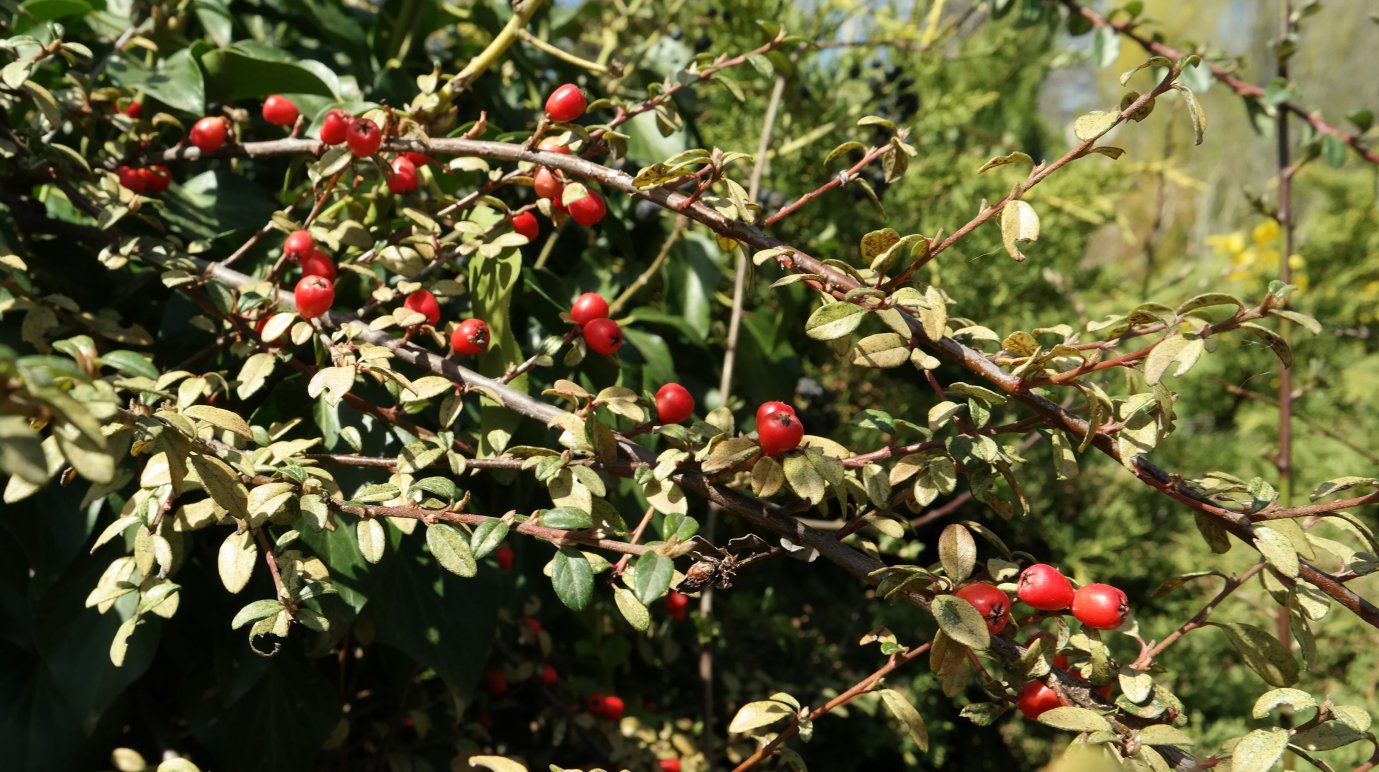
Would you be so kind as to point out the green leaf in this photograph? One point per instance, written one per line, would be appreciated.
(487, 536)
(1308, 323)
(653, 574)
(572, 578)
(755, 715)
(1262, 653)
(238, 554)
(129, 363)
(632, 609)
(177, 83)
(883, 350)
(567, 519)
(1259, 750)
(259, 609)
(804, 479)
(961, 621)
(1273, 340)
(1194, 111)
(221, 419)
(222, 483)
(1278, 550)
(1296, 699)
(373, 539)
(833, 321)
(1019, 223)
(1094, 124)
(901, 708)
(1075, 719)
(1175, 349)
(451, 548)
(249, 71)
(957, 551)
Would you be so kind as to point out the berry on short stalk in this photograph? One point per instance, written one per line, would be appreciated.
(673, 403)
(470, 337)
(318, 263)
(298, 244)
(547, 184)
(403, 176)
(279, 110)
(334, 126)
(208, 134)
(587, 210)
(1100, 606)
(525, 223)
(778, 428)
(364, 137)
(1036, 699)
(314, 296)
(604, 336)
(1045, 588)
(566, 103)
(424, 303)
(588, 307)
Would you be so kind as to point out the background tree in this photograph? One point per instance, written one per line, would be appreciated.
(1008, 340)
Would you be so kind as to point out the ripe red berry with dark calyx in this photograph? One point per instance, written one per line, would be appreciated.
(1100, 606)
(781, 432)
(279, 110)
(566, 103)
(673, 403)
(603, 336)
(549, 676)
(769, 409)
(547, 184)
(132, 178)
(990, 602)
(525, 223)
(587, 210)
(1036, 699)
(424, 303)
(298, 244)
(504, 555)
(1045, 588)
(156, 178)
(470, 337)
(588, 307)
(334, 126)
(403, 177)
(497, 684)
(314, 296)
(364, 137)
(208, 134)
(318, 263)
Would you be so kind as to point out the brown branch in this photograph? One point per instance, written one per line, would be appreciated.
(840, 179)
(1146, 658)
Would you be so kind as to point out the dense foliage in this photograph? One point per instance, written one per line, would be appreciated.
(431, 511)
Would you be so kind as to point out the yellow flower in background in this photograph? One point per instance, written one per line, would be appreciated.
(1257, 259)
(1265, 233)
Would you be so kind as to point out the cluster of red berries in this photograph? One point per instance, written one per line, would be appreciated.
(1041, 586)
(315, 292)
(565, 104)
(601, 334)
(151, 179)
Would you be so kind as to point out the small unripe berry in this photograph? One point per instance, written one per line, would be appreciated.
(990, 602)
(335, 126)
(208, 134)
(565, 103)
(673, 403)
(1100, 606)
(588, 307)
(314, 296)
(470, 337)
(279, 110)
(363, 137)
(424, 303)
(604, 336)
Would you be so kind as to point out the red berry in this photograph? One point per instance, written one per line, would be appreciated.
(677, 603)
(470, 338)
(279, 110)
(318, 263)
(525, 223)
(547, 184)
(497, 684)
(208, 134)
(673, 403)
(990, 602)
(549, 676)
(781, 432)
(334, 126)
(403, 177)
(298, 243)
(1043, 587)
(157, 178)
(132, 179)
(1036, 698)
(424, 303)
(532, 624)
(587, 210)
(669, 765)
(604, 336)
(553, 145)
(588, 307)
(133, 108)
(611, 708)
(504, 554)
(418, 159)
(769, 409)
(595, 703)
(565, 103)
(1100, 606)
(314, 296)
(363, 137)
